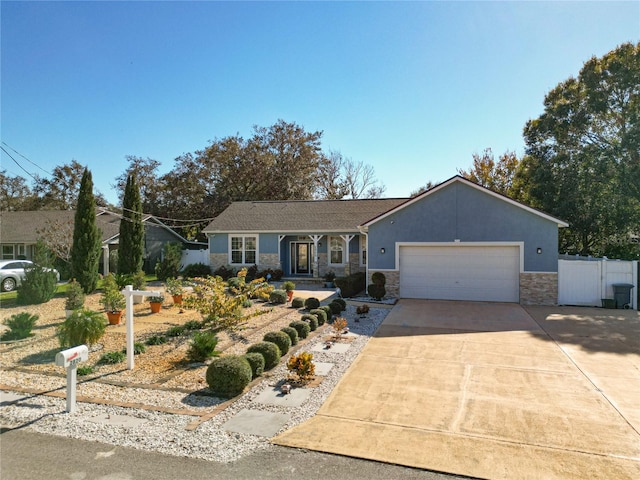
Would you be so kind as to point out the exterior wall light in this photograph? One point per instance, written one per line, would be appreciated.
(538, 250)
(382, 250)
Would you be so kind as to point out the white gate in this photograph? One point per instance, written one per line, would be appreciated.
(194, 256)
(587, 282)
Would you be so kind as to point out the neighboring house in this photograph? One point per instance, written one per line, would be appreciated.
(19, 234)
(456, 241)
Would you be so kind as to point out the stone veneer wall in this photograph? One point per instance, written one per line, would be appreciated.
(267, 260)
(538, 288)
(339, 270)
(217, 260)
(392, 285)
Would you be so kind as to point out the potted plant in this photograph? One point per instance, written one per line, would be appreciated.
(112, 299)
(329, 277)
(156, 303)
(75, 297)
(173, 287)
(288, 287)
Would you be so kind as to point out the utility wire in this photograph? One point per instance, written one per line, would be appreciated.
(16, 162)
(32, 163)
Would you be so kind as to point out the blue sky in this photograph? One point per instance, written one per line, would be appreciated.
(412, 88)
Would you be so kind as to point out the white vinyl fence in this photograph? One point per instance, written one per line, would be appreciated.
(587, 282)
(194, 256)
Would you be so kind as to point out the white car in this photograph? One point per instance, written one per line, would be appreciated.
(12, 273)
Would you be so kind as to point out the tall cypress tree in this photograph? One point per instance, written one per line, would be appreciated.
(131, 248)
(86, 249)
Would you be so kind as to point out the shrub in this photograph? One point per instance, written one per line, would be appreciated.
(256, 361)
(362, 309)
(341, 302)
(247, 303)
(339, 324)
(276, 274)
(376, 291)
(311, 303)
(193, 325)
(222, 272)
(203, 346)
(227, 376)
(288, 286)
(20, 326)
(301, 327)
(378, 278)
(112, 298)
(351, 285)
(176, 331)
(169, 266)
(312, 320)
(173, 286)
(293, 334)
(211, 299)
(235, 284)
(111, 358)
(156, 340)
(85, 370)
(75, 296)
(281, 339)
(39, 284)
(327, 310)
(335, 307)
(136, 280)
(278, 297)
(320, 314)
(197, 270)
(302, 365)
(138, 348)
(82, 327)
(269, 351)
(252, 273)
(297, 302)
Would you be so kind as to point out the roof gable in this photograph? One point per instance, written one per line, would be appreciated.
(459, 179)
(299, 215)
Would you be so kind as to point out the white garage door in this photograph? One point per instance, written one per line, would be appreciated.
(484, 273)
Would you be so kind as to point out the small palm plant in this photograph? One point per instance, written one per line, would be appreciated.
(82, 327)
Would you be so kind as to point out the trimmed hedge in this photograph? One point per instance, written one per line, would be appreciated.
(327, 310)
(351, 285)
(312, 320)
(269, 351)
(335, 307)
(311, 303)
(256, 361)
(278, 297)
(196, 270)
(376, 291)
(293, 334)
(341, 302)
(320, 314)
(297, 302)
(301, 327)
(281, 339)
(378, 278)
(227, 376)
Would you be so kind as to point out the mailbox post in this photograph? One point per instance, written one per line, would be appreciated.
(70, 359)
(128, 293)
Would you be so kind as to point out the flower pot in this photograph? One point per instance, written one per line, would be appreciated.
(177, 299)
(290, 295)
(155, 307)
(114, 317)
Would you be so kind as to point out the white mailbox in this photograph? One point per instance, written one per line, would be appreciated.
(72, 356)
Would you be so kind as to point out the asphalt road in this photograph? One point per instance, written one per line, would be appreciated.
(26, 455)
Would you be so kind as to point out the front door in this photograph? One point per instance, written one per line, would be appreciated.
(301, 258)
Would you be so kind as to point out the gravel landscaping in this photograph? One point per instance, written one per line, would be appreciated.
(166, 432)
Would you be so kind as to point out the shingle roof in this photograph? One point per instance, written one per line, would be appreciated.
(22, 226)
(300, 216)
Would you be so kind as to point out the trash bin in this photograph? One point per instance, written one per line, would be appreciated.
(622, 294)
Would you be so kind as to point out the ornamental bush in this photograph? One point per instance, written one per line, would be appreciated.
(335, 307)
(327, 310)
(293, 334)
(82, 327)
(320, 314)
(312, 320)
(297, 302)
(281, 339)
(351, 285)
(302, 365)
(376, 291)
(256, 361)
(311, 303)
(227, 376)
(20, 326)
(197, 270)
(269, 351)
(202, 347)
(301, 327)
(378, 278)
(278, 297)
(341, 302)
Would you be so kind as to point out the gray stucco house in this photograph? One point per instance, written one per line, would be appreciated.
(456, 241)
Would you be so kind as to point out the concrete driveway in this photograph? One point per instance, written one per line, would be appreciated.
(491, 391)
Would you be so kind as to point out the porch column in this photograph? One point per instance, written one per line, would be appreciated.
(347, 239)
(280, 238)
(316, 239)
(105, 259)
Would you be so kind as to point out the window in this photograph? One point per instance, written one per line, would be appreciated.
(363, 250)
(336, 250)
(7, 252)
(244, 249)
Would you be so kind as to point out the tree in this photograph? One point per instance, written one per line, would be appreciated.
(342, 177)
(57, 236)
(583, 161)
(428, 186)
(60, 192)
(86, 248)
(494, 176)
(15, 194)
(39, 285)
(131, 247)
(145, 171)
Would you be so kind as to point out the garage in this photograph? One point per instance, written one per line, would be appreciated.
(460, 272)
